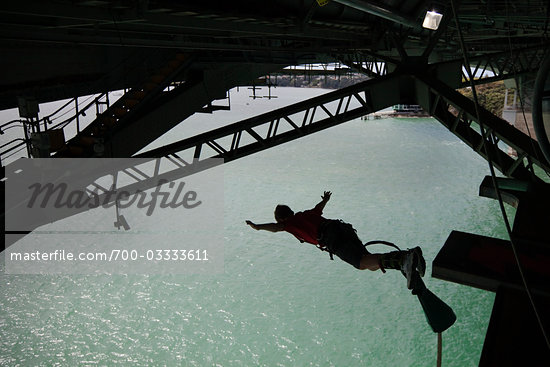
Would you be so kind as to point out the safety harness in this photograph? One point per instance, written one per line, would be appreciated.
(373, 242)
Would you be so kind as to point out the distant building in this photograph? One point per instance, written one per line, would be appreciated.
(407, 108)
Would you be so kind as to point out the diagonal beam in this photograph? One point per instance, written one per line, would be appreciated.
(438, 98)
(301, 119)
(367, 63)
(176, 106)
(380, 11)
(501, 65)
(288, 123)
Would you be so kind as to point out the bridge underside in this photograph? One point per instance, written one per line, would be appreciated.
(172, 59)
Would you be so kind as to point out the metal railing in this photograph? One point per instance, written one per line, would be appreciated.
(73, 107)
(53, 121)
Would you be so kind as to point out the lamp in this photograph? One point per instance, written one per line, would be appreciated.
(432, 20)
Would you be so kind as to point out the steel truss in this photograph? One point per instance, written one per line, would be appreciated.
(201, 152)
(485, 68)
(194, 154)
(501, 65)
(458, 114)
(105, 182)
(369, 64)
(288, 123)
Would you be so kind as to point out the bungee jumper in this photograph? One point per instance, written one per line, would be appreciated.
(340, 238)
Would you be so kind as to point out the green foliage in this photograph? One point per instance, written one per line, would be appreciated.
(490, 96)
(315, 81)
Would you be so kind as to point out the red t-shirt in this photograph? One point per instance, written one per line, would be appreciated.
(305, 225)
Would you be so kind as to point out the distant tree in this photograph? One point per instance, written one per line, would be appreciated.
(490, 96)
(327, 82)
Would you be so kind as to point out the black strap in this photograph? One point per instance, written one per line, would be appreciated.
(380, 242)
(325, 249)
(374, 242)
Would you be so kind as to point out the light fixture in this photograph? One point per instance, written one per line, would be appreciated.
(432, 20)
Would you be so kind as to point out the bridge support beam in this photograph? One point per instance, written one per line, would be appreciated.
(514, 334)
(230, 142)
(176, 106)
(288, 123)
(458, 114)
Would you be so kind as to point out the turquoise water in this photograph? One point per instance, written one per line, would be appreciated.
(279, 302)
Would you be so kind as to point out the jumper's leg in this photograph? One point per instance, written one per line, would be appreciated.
(408, 262)
(370, 262)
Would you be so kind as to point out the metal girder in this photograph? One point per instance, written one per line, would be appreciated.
(100, 182)
(393, 15)
(485, 68)
(288, 123)
(231, 142)
(369, 64)
(53, 73)
(55, 22)
(501, 65)
(177, 105)
(458, 114)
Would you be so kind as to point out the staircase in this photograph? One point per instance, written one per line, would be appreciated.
(90, 141)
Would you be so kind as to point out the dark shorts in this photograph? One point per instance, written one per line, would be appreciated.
(341, 239)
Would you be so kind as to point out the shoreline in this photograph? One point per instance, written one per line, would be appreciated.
(393, 114)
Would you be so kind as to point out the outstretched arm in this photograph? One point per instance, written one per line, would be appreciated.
(325, 198)
(271, 227)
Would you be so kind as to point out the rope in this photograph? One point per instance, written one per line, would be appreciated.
(493, 176)
(380, 242)
(439, 348)
(439, 336)
(520, 93)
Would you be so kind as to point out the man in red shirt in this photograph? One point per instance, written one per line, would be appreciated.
(339, 238)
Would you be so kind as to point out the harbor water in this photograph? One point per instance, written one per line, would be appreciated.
(278, 302)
